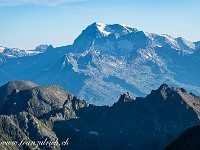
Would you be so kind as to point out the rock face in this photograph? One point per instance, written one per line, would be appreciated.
(107, 60)
(34, 113)
(10, 87)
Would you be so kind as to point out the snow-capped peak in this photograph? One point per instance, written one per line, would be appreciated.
(1, 49)
(171, 41)
(103, 29)
(129, 28)
(16, 52)
(185, 44)
(116, 29)
(125, 25)
(158, 40)
(123, 39)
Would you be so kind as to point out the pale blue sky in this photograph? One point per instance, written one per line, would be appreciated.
(28, 23)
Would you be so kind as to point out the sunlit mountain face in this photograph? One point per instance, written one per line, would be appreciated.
(107, 60)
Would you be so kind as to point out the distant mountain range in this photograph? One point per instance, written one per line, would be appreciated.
(107, 60)
(16, 53)
(34, 113)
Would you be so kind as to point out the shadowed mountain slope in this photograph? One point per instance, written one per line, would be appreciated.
(35, 113)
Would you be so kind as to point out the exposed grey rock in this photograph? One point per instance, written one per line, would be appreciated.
(38, 112)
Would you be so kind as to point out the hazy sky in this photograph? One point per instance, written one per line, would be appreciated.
(27, 23)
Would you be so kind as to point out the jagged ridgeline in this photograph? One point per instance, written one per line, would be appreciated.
(34, 113)
(107, 60)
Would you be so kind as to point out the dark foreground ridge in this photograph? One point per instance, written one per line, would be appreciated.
(189, 140)
(34, 113)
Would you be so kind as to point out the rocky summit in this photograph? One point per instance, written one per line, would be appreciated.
(32, 113)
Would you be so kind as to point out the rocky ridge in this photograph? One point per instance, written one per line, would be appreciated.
(34, 113)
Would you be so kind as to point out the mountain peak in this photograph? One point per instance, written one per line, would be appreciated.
(16, 52)
(163, 86)
(124, 39)
(19, 85)
(184, 44)
(42, 48)
(116, 29)
(103, 28)
(11, 86)
(125, 98)
(1, 49)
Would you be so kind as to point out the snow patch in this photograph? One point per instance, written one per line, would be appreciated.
(185, 44)
(127, 27)
(77, 130)
(101, 27)
(94, 133)
(170, 40)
